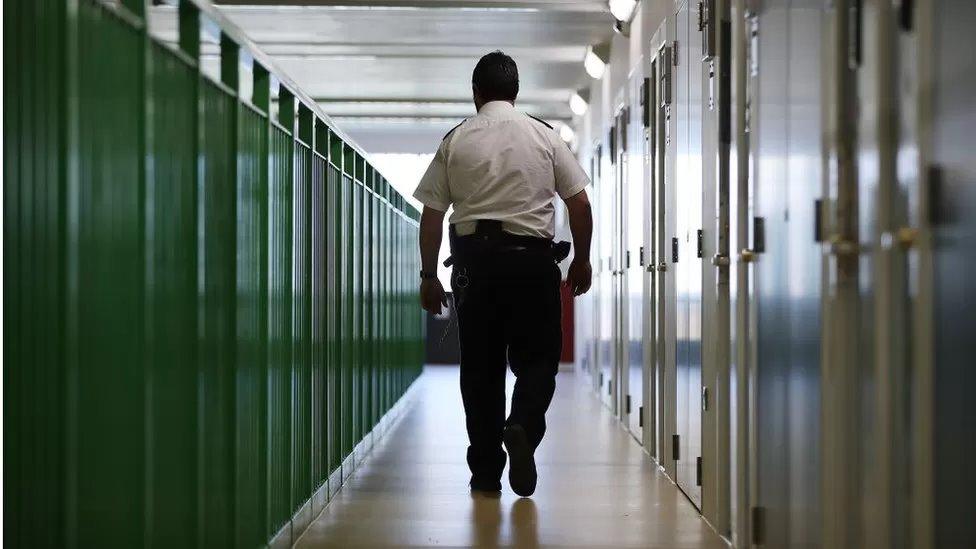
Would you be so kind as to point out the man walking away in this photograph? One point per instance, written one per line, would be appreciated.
(501, 170)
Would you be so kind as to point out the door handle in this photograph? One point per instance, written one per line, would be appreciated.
(748, 256)
(720, 260)
(662, 267)
(906, 237)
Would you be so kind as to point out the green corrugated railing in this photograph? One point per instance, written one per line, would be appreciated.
(209, 301)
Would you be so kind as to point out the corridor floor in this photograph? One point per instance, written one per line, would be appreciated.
(596, 488)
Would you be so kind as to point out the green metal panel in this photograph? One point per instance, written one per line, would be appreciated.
(171, 299)
(106, 374)
(202, 316)
(280, 317)
(334, 270)
(346, 324)
(302, 329)
(252, 317)
(33, 274)
(218, 311)
(319, 311)
(367, 305)
(357, 300)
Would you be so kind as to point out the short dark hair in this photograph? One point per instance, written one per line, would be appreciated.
(495, 77)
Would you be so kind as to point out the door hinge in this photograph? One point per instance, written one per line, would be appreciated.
(940, 211)
(674, 53)
(855, 36)
(628, 404)
(698, 471)
(640, 416)
(674, 249)
(601, 379)
(627, 258)
(905, 14)
(612, 138)
(704, 398)
(707, 17)
(641, 256)
(818, 220)
(758, 235)
(701, 239)
(645, 99)
(609, 386)
(666, 55)
(676, 447)
(758, 525)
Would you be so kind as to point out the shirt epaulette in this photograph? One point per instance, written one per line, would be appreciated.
(448, 134)
(541, 121)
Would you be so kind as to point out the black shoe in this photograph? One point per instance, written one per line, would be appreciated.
(522, 475)
(478, 485)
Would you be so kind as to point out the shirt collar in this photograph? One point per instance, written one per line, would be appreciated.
(496, 108)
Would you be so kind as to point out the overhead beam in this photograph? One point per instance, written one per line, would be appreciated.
(577, 6)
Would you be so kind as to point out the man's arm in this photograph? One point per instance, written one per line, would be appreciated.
(432, 295)
(581, 225)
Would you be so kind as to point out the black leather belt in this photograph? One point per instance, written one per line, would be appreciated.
(489, 237)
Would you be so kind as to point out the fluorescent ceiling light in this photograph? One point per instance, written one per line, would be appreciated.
(622, 9)
(566, 133)
(578, 105)
(593, 64)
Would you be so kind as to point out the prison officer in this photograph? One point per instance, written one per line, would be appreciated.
(501, 171)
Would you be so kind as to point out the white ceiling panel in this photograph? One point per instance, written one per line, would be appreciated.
(406, 65)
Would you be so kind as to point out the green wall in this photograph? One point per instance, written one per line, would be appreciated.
(207, 306)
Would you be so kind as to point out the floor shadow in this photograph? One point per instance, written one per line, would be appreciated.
(486, 518)
(525, 524)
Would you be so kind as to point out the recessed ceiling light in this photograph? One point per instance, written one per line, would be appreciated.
(622, 10)
(578, 105)
(593, 64)
(566, 133)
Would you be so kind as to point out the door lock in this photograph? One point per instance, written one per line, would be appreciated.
(662, 267)
(720, 260)
(843, 247)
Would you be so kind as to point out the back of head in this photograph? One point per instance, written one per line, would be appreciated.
(495, 78)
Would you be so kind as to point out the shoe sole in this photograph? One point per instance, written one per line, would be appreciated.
(522, 475)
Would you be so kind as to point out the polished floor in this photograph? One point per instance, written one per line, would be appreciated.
(596, 488)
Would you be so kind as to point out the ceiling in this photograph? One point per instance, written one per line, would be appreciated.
(396, 74)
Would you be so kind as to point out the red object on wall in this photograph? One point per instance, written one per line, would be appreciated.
(567, 324)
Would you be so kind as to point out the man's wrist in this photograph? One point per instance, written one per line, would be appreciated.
(428, 275)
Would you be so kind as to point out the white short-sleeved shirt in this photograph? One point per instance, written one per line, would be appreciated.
(504, 165)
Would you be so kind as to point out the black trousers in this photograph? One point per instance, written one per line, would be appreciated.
(508, 313)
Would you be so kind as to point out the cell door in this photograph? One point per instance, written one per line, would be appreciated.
(665, 249)
(621, 261)
(648, 411)
(951, 173)
(688, 235)
(587, 316)
(633, 240)
(714, 72)
(769, 297)
(604, 228)
(889, 172)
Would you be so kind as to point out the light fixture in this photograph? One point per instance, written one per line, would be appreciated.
(577, 104)
(622, 10)
(566, 133)
(594, 64)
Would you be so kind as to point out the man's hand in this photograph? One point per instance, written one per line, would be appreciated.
(579, 276)
(432, 295)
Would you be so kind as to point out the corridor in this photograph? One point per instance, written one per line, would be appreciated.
(596, 487)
